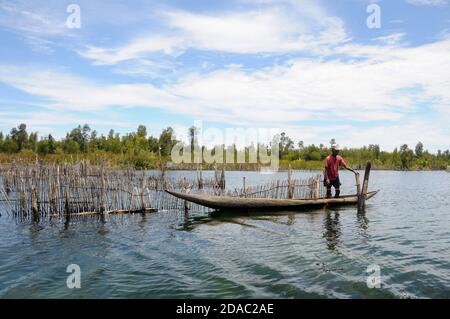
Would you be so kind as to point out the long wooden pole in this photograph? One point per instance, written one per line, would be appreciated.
(358, 184)
(290, 188)
(362, 198)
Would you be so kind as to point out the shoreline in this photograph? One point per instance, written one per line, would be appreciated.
(209, 167)
(143, 162)
(304, 169)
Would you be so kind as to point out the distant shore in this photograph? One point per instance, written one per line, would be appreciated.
(124, 161)
(142, 151)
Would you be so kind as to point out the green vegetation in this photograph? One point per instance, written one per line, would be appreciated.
(143, 152)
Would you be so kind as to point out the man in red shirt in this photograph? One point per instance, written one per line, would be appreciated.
(331, 173)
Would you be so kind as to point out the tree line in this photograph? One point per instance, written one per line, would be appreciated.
(142, 150)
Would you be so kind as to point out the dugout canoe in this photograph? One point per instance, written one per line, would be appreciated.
(242, 203)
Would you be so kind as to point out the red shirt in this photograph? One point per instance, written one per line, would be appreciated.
(332, 166)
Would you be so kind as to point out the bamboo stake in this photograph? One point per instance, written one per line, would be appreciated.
(362, 198)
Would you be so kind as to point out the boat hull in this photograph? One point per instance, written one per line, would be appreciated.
(242, 203)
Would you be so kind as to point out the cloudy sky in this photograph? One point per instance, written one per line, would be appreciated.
(311, 68)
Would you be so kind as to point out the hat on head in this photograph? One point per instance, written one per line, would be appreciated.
(335, 147)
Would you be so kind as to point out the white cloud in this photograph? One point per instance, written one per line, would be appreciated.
(31, 18)
(155, 68)
(264, 31)
(47, 118)
(388, 85)
(391, 39)
(41, 26)
(409, 132)
(136, 49)
(388, 135)
(427, 2)
(385, 84)
(273, 29)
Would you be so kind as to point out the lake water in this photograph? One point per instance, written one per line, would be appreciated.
(404, 232)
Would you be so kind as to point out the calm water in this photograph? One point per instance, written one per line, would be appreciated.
(318, 254)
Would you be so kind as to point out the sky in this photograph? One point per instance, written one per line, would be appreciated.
(313, 69)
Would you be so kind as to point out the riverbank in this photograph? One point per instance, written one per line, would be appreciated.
(148, 160)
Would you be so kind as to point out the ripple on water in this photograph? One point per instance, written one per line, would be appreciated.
(322, 254)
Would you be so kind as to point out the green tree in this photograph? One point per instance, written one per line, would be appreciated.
(51, 144)
(46, 145)
(71, 146)
(193, 142)
(141, 150)
(193, 133)
(406, 156)
(446, 154)
(374, 149)
(32, 142)
(142, 131)
(20, 136)
(419, 149)
(10, 145)
(153, 145)
(286, 145)
(80, 135)
(113, 143)
(42, 147)
(166, 141)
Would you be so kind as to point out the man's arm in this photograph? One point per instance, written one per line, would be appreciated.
(325, 174)
(349, 169)
(344, 165)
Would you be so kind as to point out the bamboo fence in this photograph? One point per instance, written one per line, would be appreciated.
(37, 190)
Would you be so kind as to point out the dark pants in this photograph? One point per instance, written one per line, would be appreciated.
(336, 184)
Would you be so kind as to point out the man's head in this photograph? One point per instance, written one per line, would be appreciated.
(335, 149)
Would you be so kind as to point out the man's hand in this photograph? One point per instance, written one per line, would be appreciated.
(327, 181)
(350, 169)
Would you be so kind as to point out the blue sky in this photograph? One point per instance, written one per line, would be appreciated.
(311, 68)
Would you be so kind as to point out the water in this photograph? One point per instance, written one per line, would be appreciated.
(318, 254)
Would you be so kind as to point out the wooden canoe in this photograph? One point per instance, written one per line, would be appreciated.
(235, 203)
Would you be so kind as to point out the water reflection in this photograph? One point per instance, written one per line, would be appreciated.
(332, 231)
(332, 226)
(102, 228)
(67, 222)
(291, 220)
(190, 222)
(35, 228)
(187, 222)
(363, 224)
(143, 221)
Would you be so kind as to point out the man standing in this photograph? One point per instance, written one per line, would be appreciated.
(331, 173)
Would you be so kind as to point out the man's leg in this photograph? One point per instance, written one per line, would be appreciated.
(329, 190)
(337, 191)
(337, 187)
